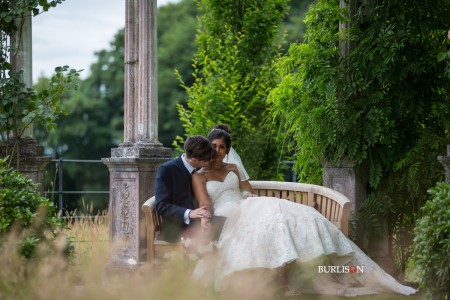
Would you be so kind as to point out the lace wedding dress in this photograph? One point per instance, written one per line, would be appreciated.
(266, 233)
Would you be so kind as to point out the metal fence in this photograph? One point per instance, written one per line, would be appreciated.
(59, 189)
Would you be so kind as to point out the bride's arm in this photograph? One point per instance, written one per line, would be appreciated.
(199, 188)
(244, 185)
(202, 241)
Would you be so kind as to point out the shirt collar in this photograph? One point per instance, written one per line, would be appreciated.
(187, 165)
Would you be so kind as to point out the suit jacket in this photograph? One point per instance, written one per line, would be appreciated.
(173, 194)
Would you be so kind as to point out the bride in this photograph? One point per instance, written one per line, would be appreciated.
(274, 239)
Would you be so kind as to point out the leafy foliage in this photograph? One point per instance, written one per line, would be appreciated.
(384, 106)
(12, 14)
(176, 47)
(24, 212)
(13, 10)
(294, 25)
(305, 99)
(432, 243)
(397, 98)
(22, 106)
(233, 75)
(95, 119)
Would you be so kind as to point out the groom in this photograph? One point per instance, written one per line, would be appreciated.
(173, 188)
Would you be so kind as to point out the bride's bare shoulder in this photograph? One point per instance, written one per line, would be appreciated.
(232, 167)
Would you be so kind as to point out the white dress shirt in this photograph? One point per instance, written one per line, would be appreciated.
(191, 170)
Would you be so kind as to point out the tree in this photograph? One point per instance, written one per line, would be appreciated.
(233, 74)
(384, 105)
(294, 25)
(176, 47)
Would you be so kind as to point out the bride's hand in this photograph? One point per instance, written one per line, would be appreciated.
(246, 194)
(198, 213)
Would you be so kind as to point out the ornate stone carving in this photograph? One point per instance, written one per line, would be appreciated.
(126, 222)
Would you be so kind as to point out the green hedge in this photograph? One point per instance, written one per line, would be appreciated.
(432, 244)
(24, 213)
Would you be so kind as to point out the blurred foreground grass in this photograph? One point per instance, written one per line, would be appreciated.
(87, 278)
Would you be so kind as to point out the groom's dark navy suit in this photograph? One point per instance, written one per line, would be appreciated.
(173, 193)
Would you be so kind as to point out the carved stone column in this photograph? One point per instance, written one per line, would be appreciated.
(346, 46)
(134, 163)
(22, 53)
(445, 161)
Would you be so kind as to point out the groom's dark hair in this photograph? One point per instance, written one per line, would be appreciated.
(198, 147)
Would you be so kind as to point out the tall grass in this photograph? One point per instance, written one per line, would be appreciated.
(89, 233)
(87, 277)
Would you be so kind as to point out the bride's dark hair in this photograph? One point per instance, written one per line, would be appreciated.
(223, 127)
(220, 134)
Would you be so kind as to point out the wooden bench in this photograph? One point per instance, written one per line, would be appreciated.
(330, 203)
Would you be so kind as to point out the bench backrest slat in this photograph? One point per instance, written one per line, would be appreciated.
(331, 204)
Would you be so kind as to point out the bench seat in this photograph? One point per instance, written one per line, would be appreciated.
(330, 203)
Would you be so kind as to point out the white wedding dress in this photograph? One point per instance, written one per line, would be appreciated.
(266, 233)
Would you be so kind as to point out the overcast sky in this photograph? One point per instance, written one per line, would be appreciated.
(72, 32)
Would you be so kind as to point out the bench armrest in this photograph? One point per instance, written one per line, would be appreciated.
(149, 205)
(150, 220)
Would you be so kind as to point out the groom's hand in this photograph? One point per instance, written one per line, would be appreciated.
(199, 213)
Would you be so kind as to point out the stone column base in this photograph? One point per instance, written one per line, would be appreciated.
(351, 182)
(26, 156)
(346, 179)
(132, 181)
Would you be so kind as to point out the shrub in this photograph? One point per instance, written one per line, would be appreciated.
(25, 213)
(431, 245)
(233, 72)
